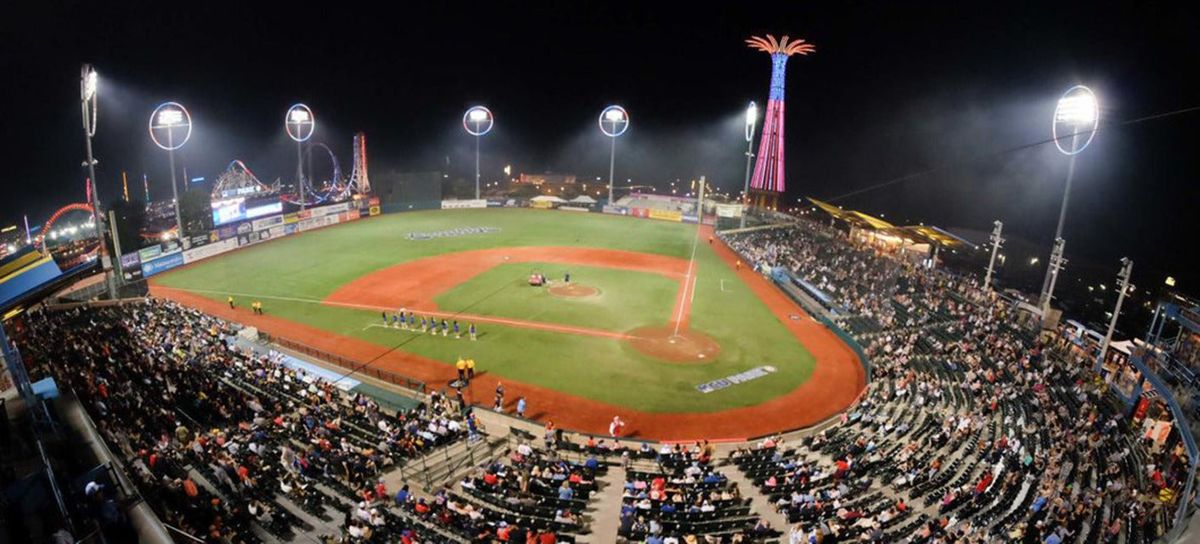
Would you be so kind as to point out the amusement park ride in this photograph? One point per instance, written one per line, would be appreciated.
(767, 183)
(238, 180)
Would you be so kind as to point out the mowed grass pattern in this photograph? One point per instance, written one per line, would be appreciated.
(311, 266)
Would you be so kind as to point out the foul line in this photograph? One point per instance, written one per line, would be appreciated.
(565, 329)
(689, 282)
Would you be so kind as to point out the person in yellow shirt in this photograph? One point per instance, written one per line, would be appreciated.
(230, 302)
(461, 365)
(470, 369)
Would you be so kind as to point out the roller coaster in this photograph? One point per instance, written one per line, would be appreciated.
(239, 181)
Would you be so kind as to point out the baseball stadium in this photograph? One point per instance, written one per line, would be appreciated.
(660, 337)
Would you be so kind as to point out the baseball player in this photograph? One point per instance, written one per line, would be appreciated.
(384, 314)
(403, 321)
(412, 321)
(445, 329)
(457, 333)
(395, 320)
(471, 331)
(424, 325)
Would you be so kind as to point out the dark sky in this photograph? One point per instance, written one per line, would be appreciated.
(895, 88)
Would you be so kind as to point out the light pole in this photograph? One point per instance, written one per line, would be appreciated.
(1077, 115)
(618, 122)
(1123, 286)
(299, 123)
(996, 241)
(477, 121)
(167, 118)
(751, 121)
(89, 99)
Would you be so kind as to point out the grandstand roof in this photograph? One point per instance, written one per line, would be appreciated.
(917, 233)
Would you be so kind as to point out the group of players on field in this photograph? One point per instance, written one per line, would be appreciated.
(409, 321)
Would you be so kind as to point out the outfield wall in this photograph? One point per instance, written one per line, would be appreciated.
(154, 260)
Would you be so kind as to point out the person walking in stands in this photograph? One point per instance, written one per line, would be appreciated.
(614, 428)
(461, 365)
(521, 407)
(457, 333)
(470, 369)
(471, 330)
(230, 302)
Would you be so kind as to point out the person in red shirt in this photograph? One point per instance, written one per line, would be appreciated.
(490, 479)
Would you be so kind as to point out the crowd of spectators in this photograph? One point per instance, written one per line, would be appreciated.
(972, 430)
(221, 440)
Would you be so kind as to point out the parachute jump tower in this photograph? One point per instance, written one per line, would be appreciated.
(767, 182)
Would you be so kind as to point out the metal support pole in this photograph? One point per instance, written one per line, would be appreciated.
(996, 241)
(1048, 282)
(612, 160)
(300, 171)
(746, 184)
(1123, 285)
(174, 189)
(1056, 265)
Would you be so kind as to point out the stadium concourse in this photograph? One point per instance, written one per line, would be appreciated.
(971, 430)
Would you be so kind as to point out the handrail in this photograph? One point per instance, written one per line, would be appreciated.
(182, 532)
(349, 364)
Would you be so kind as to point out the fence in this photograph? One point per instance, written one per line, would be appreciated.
(352, 365)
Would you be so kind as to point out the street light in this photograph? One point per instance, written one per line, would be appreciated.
(1076, 118)
(618, 122)
(300, 123)
(167, 118)
(478, 121)
(751, 121)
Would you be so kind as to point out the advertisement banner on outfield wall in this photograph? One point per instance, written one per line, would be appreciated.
(291, 218)
(225, 233)
(495, 203)
(574, 209)
(690, 218)
(375, 210)
(267, 222)
(289, 229)
(192, 255)
(616, 210)
(461, 204)
(666, 215)
(639, 212)
(162, 264)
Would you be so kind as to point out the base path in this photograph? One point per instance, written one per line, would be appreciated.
(836, 382)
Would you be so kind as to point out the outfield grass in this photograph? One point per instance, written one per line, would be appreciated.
(306, 268)
(627, 299)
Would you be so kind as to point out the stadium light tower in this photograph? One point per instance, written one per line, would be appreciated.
(478, 121)
(1076, 118)
(167, 118)
(300, 123)
(89, 82)
(1123, 286)
(997, 240)
(751, 121)
(617, 120)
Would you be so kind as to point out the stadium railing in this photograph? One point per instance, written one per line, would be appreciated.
(352, 365)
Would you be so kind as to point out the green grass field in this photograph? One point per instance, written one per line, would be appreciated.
(291, 275)
(626, 300)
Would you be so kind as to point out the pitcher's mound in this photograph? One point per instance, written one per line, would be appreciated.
(572, 290)
(685, 347)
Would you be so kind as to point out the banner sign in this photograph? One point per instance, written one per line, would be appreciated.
(374, 210)
(131, 266)
(666, 215)
(461, 204)
(616, 210)
(451, 233)
(245, 228)
(495, 203)
(741, 377)
(227, 232)
(690, 218)
(574, 209)
(289, 229)
(291, 218)
(729, 210)
(162, 264)
(267, 222)
(192, 255)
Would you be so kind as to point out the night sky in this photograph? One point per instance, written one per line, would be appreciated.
(951, 91)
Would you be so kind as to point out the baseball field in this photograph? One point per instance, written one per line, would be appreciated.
(658, 324)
